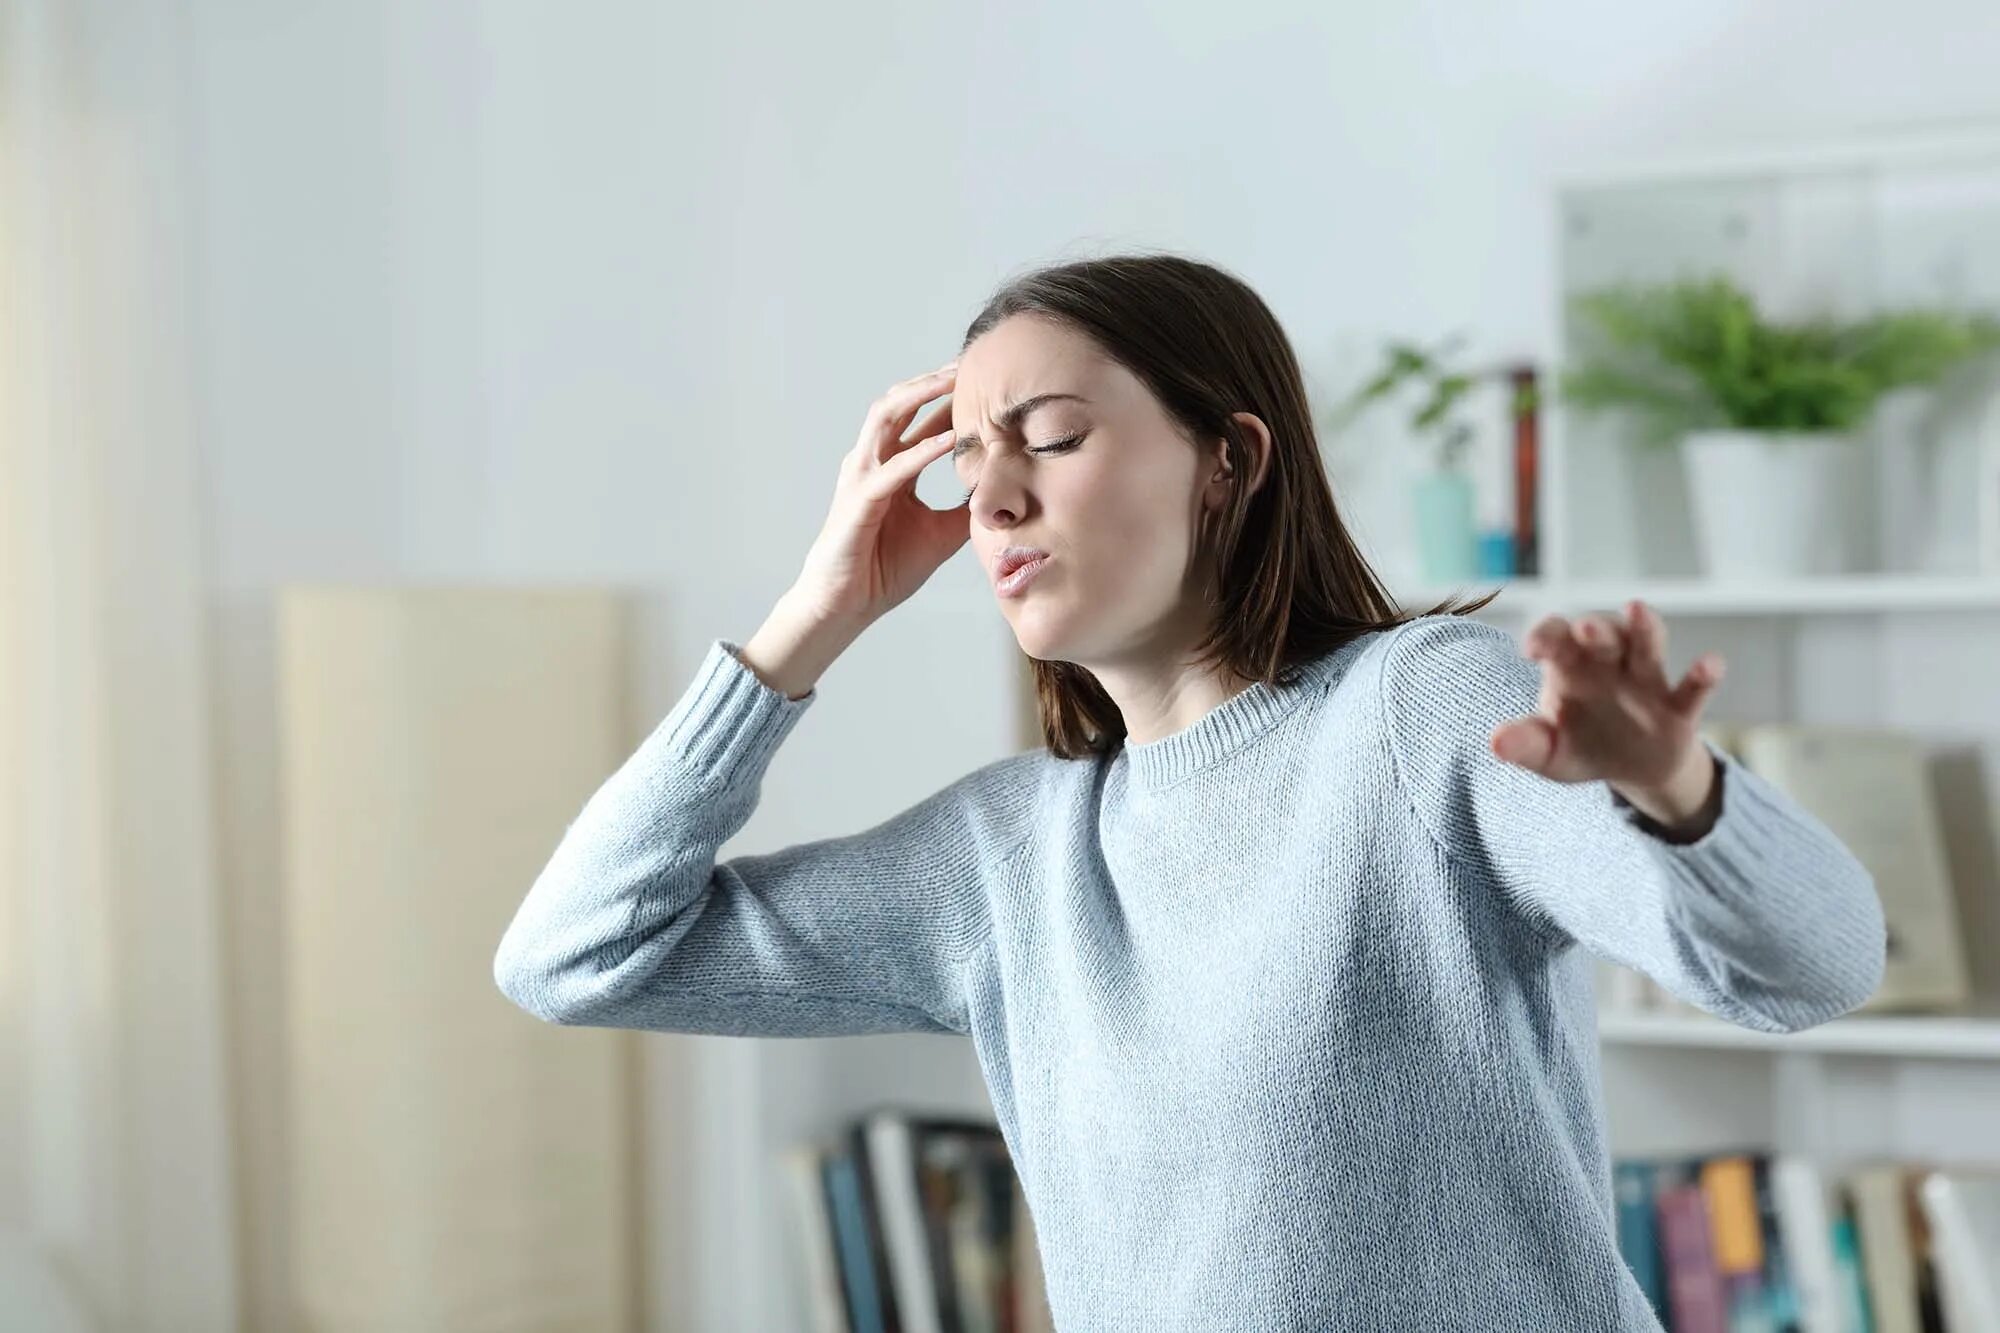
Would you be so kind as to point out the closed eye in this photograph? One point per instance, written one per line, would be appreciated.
(1061, 446)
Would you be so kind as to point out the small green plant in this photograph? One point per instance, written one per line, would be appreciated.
(1696, 354)
(1436, 414)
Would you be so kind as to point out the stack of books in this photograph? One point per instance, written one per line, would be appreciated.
(911, 1222)
(1749, 1241)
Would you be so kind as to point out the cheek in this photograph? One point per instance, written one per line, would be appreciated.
(1131, 533)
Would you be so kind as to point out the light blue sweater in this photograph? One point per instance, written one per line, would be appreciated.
(1287, 1017)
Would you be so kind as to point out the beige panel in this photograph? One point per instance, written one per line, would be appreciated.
(457, 1163)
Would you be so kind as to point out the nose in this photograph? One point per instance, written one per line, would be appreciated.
(999, 500)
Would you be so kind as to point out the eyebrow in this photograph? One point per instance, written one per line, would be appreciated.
(1011, 417)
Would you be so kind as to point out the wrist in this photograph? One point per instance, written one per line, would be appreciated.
(801, 610)
(795, 645)
(1685, 805)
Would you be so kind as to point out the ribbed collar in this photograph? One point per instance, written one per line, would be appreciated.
(1229, 726)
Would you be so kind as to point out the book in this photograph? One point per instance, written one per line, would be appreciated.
(1696, 1299)
(1732, 1215)
(1887, 1260)
(1857, 1311)
(942, 1192)
(914, 1220)
(1871, 788)
(869, 1308)
(1736, 1240)
(1923, 1257)
(968, 1189)
(1963, 1210)
(892, 1162)
(1805, 1229)
(802, 1168)
(1748, 1241)
(1638, 1230)
(981, 1227)
(1780, 1305)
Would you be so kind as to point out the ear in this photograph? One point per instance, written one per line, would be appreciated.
(1258, 439)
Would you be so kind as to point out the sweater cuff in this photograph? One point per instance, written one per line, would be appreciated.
(728, 718)
(1659, 832)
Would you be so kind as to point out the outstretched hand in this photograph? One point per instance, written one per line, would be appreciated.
(1607, 711)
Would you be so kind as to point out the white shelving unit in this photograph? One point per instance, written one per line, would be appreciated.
(1913, 642)
(1854, 594)
(1939, 1038)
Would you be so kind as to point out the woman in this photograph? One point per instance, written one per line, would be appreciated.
(1277, 959)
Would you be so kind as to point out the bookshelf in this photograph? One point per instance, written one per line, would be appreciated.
(1906, 638)
(1930, 1037)
(1857, 594)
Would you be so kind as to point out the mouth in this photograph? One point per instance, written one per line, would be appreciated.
(1016, 568)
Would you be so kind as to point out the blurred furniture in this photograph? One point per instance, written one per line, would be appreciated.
(456, 1163)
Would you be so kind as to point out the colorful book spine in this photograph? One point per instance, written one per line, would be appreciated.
(1695, 1295)
(1638, 1233)
(1858, 1313)
(851, 1235)
(1781, 1297)
(1805, 1219)
(1527, 471)
(1728, 1186)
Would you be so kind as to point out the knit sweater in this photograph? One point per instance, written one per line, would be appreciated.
(1287, 1017)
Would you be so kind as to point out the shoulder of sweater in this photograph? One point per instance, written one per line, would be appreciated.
(1425, 641)
(1010, 789)
(1431, 661)
(1007, 802)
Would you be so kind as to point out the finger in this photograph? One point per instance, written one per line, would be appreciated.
(1692, 693)
(1602, 638)
(890, 415)
(1647, 657)
(934, 421)
(902, 469)
(1552, 639)
(1529, 742)
(1569, 666)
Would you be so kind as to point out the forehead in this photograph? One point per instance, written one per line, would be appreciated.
(1024, 355)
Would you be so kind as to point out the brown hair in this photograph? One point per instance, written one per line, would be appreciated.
(1287, 580)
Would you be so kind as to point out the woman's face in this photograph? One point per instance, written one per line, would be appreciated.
(1099, 477)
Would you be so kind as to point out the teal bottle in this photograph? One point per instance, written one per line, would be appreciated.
(1447, 538)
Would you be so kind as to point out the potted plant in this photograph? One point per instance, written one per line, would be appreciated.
(1766, 413)
(1443, 497)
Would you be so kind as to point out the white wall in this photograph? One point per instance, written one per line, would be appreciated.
(600, 292)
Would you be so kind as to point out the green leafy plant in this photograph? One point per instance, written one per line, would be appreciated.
(1696, 354)
(1436, 414)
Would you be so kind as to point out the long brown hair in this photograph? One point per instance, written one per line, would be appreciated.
(1287, 581)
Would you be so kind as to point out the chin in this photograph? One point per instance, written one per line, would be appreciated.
(1036, 636)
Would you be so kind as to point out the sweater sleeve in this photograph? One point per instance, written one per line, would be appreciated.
(633, 924)
(1766, 920)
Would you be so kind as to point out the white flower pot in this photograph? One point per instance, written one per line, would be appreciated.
(1771, 504)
